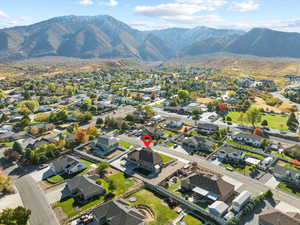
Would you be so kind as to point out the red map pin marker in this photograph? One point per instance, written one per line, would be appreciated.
(147, 140)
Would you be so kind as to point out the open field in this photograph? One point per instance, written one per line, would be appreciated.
(275, 121)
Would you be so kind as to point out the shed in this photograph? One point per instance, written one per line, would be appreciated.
(218, 208)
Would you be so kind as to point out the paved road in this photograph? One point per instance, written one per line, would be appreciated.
(34, 199)
(249, 184)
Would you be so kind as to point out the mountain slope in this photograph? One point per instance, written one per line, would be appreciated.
(268, 43)
(82, 37)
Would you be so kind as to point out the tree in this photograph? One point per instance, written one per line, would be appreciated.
(264, 123)
(231, 93)
(17, 216)
(17, 147)
(241, 117)
(124, 126)
(101, 169)
(229, 119)
(82, 136)
(5, 183)
(92, 132)
(111, 185)
(258, 131)
(292, 122)
(253, 116)
(99, 121)
(184, 95)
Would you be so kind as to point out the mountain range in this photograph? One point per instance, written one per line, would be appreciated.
(105, 37)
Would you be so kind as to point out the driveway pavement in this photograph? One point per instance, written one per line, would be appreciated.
(35, 200)
(10, 201)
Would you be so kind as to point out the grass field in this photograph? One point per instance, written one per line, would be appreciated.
(124, 144)
(163, 214)
(274, 121)
(165, 158)
(190, 220)
(169, 133)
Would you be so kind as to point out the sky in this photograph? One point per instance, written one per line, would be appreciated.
(281, 15)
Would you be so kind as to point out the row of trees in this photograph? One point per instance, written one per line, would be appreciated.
(17, 216)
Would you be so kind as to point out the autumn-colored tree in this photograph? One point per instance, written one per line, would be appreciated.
(223, 107)
(258, 131)
(5, 183)
(92, 132)
(82, 136)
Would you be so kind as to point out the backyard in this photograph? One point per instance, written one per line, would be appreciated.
(124, 144)
(165, 158)
(163, 214)
(274, 121)
(285, 188)
(191, 220)
(122, 184)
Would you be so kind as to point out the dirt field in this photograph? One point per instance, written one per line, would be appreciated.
(283, 108)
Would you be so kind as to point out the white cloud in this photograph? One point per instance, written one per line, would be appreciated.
(244, 6)
(216, 3)
(172, 9)
(292, 25)
(86, 2)
(193, 20)
(4, 15)
(112, 3)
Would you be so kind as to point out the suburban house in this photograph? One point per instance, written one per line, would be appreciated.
(197, 143)
(286, 175)
(153, 132)
(105, 144)
(67, 165)
(174, 123)
(207, 128)
(146, 159)
(218, 208)
(247, 138)
(229, 154)
(84, 188)
(207, 187)
(241, 200)
(117, 213)
(276, 217)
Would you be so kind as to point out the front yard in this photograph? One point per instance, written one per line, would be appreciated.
(165, 158)
(124, 144)
(191, 220)
(122, 184)
(163, 213)
(285, 188)
(274, 121)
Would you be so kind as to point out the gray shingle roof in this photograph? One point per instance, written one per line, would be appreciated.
(118, 214)
(275, 217)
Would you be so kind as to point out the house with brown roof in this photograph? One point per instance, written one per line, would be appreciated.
(208, 188)
(276, 217)
(146, 159)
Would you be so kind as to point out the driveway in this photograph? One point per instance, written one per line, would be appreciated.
(35, 200)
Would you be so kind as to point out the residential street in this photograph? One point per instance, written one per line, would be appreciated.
(249, 184)
(35, 200)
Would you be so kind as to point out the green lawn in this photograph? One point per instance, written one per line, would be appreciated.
(166, 158)
(121, 182)
(282, 155)
(124, 144)
(163, 214)
(274, 121)
(121, 185)
(174, 187)
(231, 142)
(284, 187)
(246, 169)
(170, 144)
(190, 220)
(7, 144)
(169, 133)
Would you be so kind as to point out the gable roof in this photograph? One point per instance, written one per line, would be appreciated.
(118, 214)
(249, 136)
(276, 217)
(213, 184)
